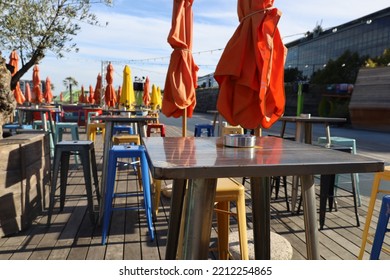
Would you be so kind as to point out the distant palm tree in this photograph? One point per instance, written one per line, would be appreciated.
(69, 82)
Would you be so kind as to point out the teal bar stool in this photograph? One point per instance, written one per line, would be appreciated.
(37, 124)
(74, 129)
(344, 142)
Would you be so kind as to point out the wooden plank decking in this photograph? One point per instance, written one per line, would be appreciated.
(71, 236)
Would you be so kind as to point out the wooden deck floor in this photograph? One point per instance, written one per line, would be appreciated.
(72, 236)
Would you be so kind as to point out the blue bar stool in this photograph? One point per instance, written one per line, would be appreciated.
(122, 128)
(200, 127)
(63, 150)
(126, 151)
(381, 228)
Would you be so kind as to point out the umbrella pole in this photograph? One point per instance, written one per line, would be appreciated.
(184, 123)
(258, 131)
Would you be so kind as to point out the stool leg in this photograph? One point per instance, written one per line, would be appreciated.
(223, 229)
(381, 228)
(370, 210)
(56, 168)
(108, 195)
(157, 195)
(64, 177)
(355, 203)
(241, 219)
(85, 162)
(147, 193)
(95, 173)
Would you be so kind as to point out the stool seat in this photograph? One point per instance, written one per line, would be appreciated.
(126, 139)
(122, 128)
(86, 151)
(61, 126)
(232, 130)
(200, 127)
(155, 126)
(126, 151)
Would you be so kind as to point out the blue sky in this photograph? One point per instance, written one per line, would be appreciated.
(136, 35)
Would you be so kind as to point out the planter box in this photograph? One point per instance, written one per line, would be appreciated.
(24, 180)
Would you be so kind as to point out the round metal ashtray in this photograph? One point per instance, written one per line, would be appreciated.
(239, 140)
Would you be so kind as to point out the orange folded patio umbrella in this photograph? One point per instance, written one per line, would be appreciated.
(91, 97)
(109, 94)
(181, 80)
(82, 95)
(146, 96)
(27, 92)
(14, 61)
(98, 87)
(37, 85)
(250, 72)
(48, 93)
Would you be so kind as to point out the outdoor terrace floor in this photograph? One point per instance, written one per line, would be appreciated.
(71, 236)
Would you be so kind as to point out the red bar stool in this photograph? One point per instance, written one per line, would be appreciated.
(153, 126)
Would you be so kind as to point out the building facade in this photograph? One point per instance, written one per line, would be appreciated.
(368, 35)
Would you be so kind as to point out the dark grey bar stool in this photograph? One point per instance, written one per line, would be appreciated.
(86, 152)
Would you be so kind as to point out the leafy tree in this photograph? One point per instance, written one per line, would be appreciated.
(342, 70)
(70, 82)
(292, 75)
(383, 60)
(35, 27)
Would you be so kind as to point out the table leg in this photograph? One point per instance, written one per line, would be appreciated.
(310, 217)
(106, 150)
(178, 191)
(261, 196)
(198, 217)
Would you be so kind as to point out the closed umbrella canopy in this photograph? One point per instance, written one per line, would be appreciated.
(91, 98)
(98, 87)
(127, 96)
(82, 95)
(250, 71)
(37, 85)
(109, 94)
(118, 93)
(154, 99)
(146, 96)
(181, 80)
(48, 93)
(27, 92)
(159, 98)
(14, 61)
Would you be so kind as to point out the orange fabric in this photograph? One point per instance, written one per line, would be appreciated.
(48, 93)
(181, 80)
(91, 98)
(27, 92)
(250, 72)
(98, 86)
(37, 85)
(82, 96)
(14, 61)
(146, 96)
(109, 95)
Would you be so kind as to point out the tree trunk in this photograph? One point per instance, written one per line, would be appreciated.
(7, 99)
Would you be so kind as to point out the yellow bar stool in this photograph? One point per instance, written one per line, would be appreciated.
(232, 130)
(92, 129)
(385, 175)
(229, 190)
